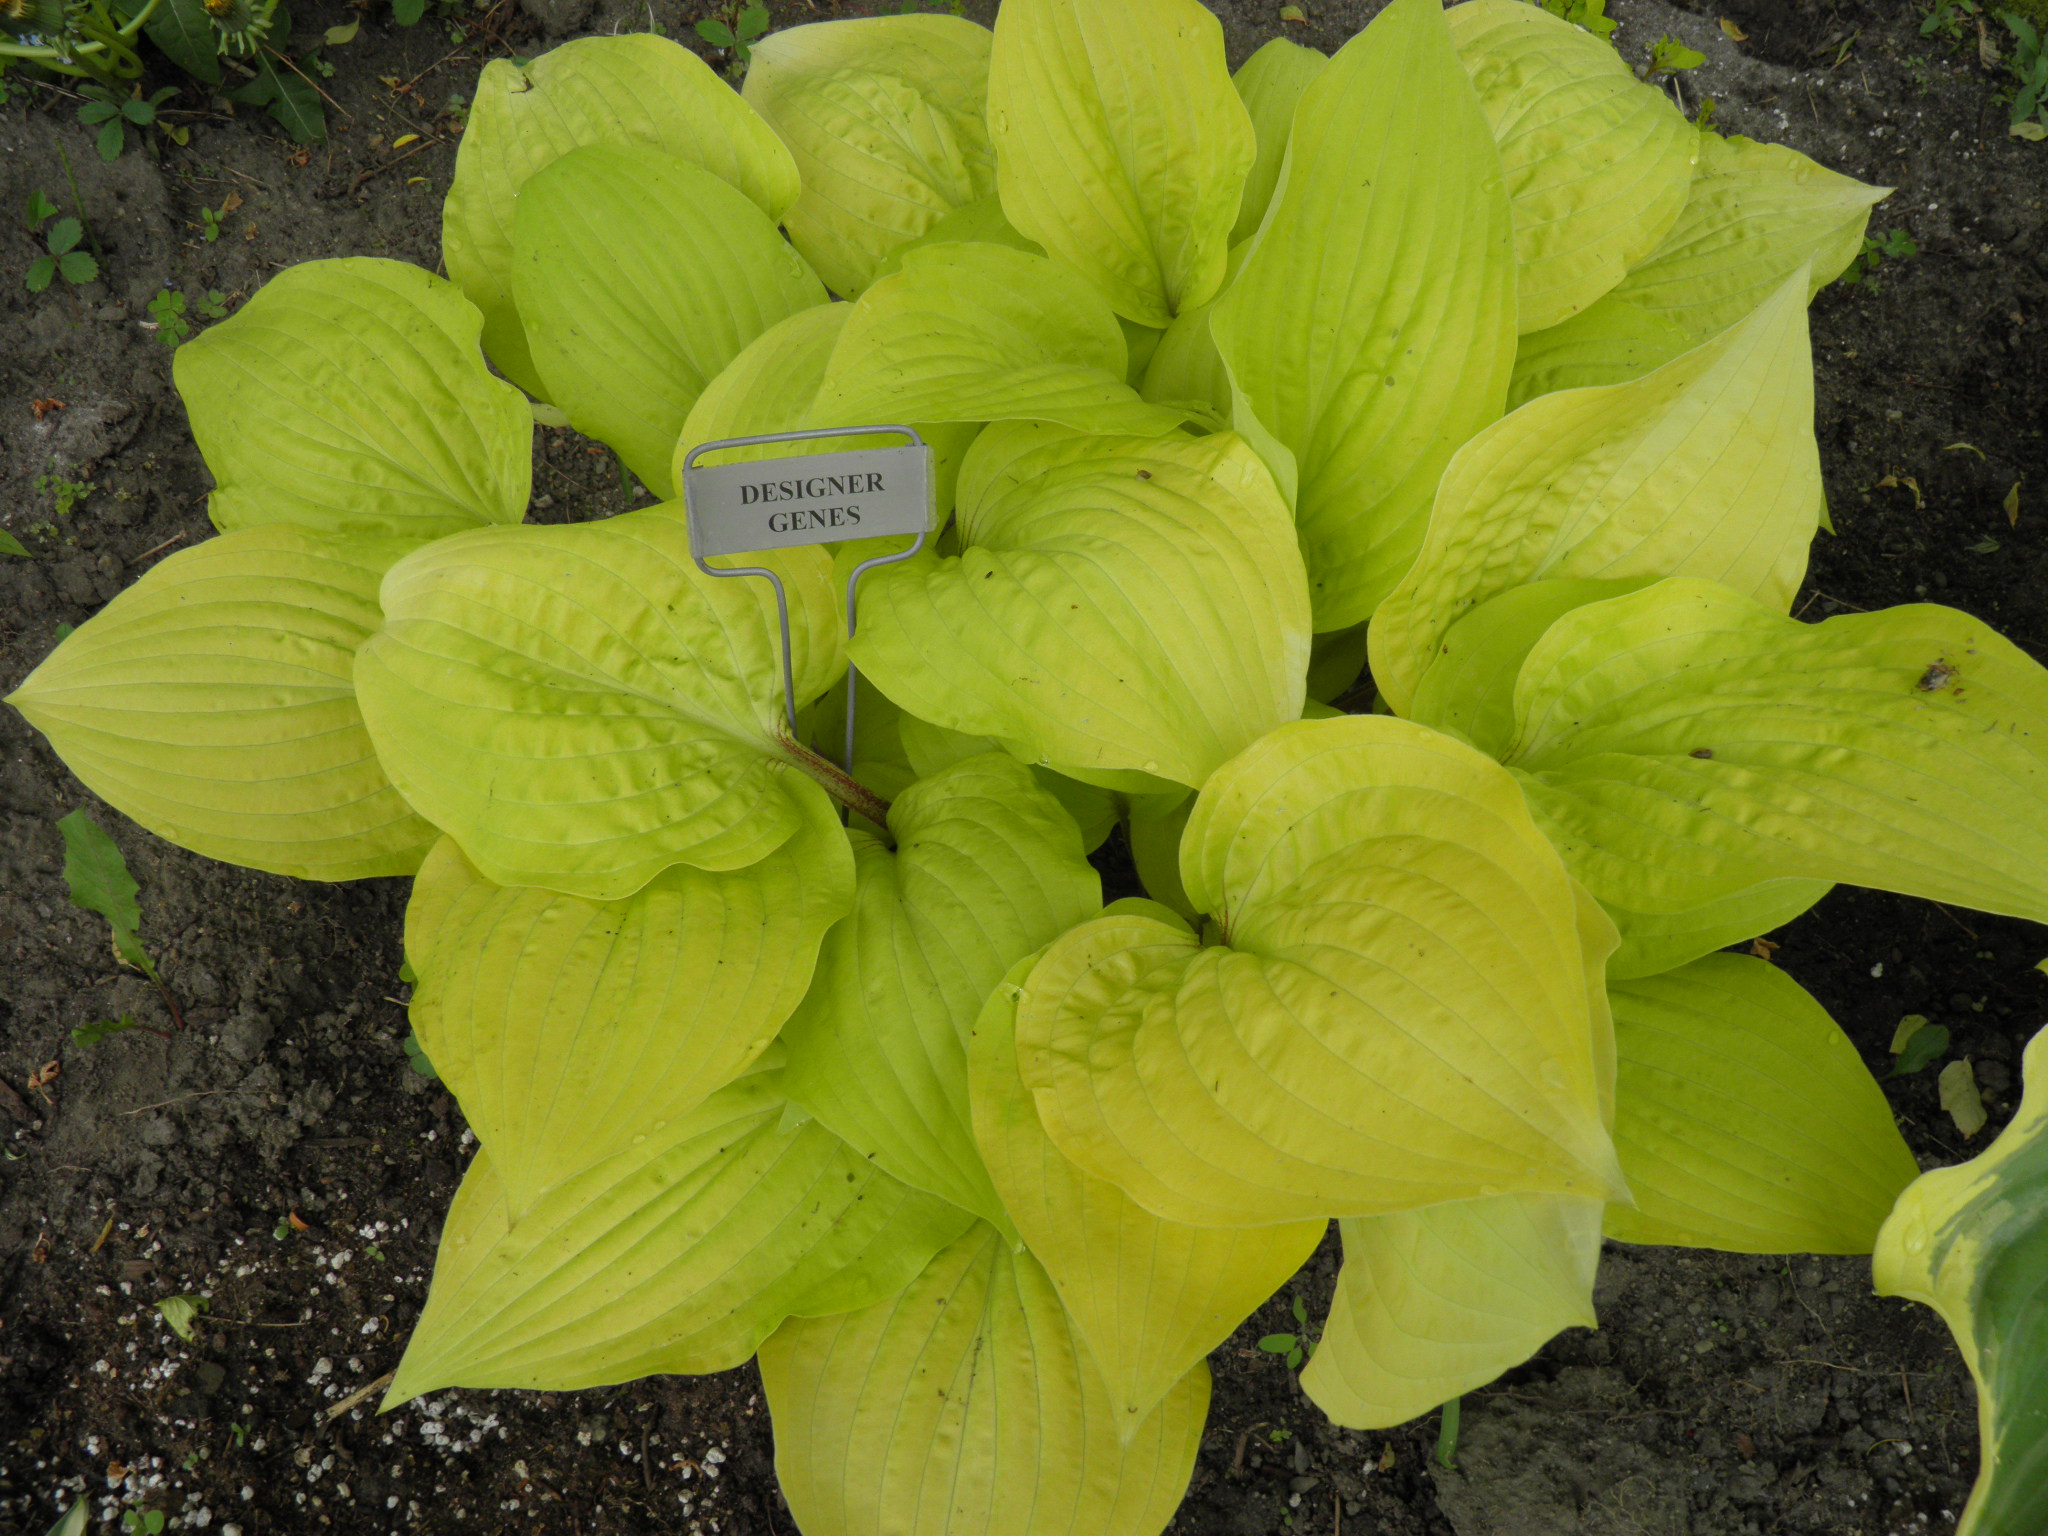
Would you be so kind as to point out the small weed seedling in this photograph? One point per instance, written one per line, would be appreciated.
(739, 29)
(61, 256)
(1951, 20)
(1589, 14)
(213, 220)
(68, 495)
(1892, 245)
(1297, 1347)
(1669, 57)
(99, 881)
(168, 310)
(112, 113)
(418, 1058)
(2028, 64)
(142, 1522)
(106, 1029)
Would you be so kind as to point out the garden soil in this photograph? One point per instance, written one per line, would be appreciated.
(280, 1156)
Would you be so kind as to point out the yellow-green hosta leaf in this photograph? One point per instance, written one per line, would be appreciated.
(635, 91)
(1756, 215)
(1655, 942)
(987, 867)
(211, 702)
(1118, 604)
(1150, 1298)
(1685, 742)
(569, 1028)
(1744, 1117)
(349, 396)
(1435, 1302)
(978, 222)
(623, 269)
(1972, 1242)
(1610, 342)
(966, 1406)
(1271, 82)
(676, 1255)
(887, 119)
(1706, 467)
(580, 707)
(930, 748)
(1395, 1014)
(1121, 146)
(1360, 381)
(1599, 164)
(1154, 836)
(971, 331)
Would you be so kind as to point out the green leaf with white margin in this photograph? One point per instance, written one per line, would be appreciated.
(967, 1406)
(1121, 145)
(568, 1028)
(677, 1255)
(1745, 1119)
(349, 396)
(1433, 1303)
(635, 91)
(971, 331)
(1972, 1242)
(1756, 215)
(987, 867)
(887, 120)
(1611, 342)
(1397, 1013)
(1599, 164)
(580, 707)
(1707, 467)
(1360, 385)
(1271, 82)
(623, 271)
(211, 702)
(1150, 1298)
(1118, 604)
(1684, 742)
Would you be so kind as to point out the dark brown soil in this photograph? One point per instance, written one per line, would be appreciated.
(1723, 1395)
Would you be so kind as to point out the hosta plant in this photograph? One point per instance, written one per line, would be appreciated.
(1461, 348)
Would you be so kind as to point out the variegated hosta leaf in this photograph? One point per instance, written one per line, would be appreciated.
(211, 702)
(1121, 604)
(570, 1028)
(1685, 742)
(1706, 467)
(1972, 1242)
(1757, 214)
(986, 868)
(1150, 1298)
(966, 1406)
(623, 274)
(349, 396)
(1599, 164)
(677, 1255)
(1396, 1015)
(1271, 82)
(1610, 343)
(1121, 146)
(1359, 384)
(1744, 1117)
(887, 119)
(580, 707)
(1435, 1302)
(635, 91)
(972, 331)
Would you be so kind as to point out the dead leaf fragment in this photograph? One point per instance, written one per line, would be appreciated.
(42, 1077)
(1902, 482)
(1961, 1098)
(1987, 51)
(2012, 504)
(1735, 33)
(43, 408)
(1763, 949)
(230, 203)
(1387, 1456)
(298, 1222)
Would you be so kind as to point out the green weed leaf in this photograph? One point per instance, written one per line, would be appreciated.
(99, 882)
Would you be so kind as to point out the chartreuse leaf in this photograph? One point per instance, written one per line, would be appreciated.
(623, 272)
(1972, 1242)
(1610, 343)
(1396, 1015)
(678, 1254)
(1271, 82)
(1118, 604)
(1121, 146)
(1706, 467)
(1359, 384)
(987, 867)
(1684, 742)
(887, 120)
(1155, 834)
(1150, 1298)
(211, 702)
(1757, 214)
(970, 331)
(1655, 942)
(350, 396)
(1599, 164)
(1744, 1117)
(569, 1028)
(632, 91)
(1434, 1302)
(580, 707)
(966, 1405)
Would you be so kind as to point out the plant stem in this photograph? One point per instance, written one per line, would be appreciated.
(1447, 1436)
(840, 785)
